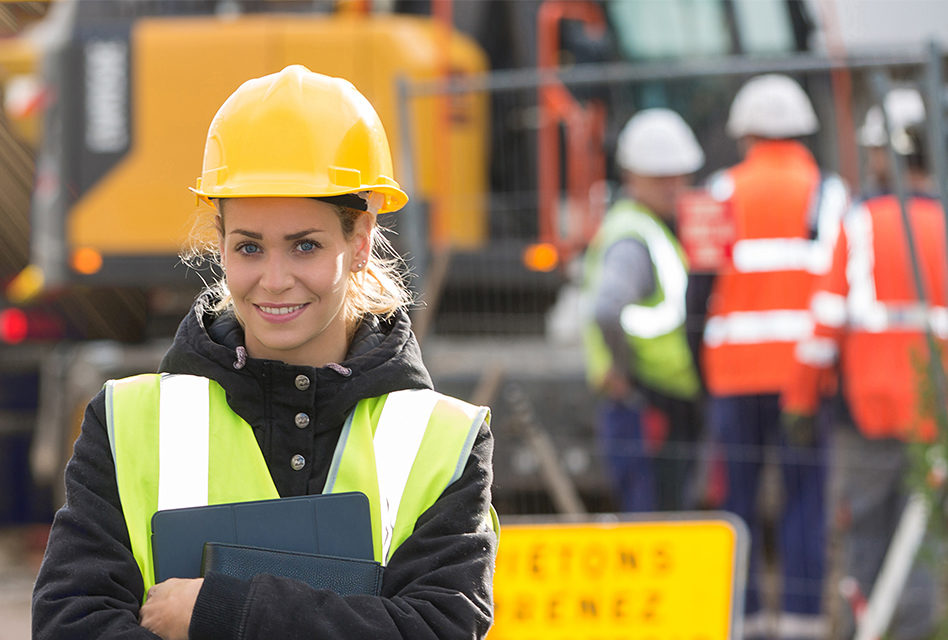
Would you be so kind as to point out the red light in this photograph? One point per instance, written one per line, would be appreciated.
(19, 325)
(13, 326)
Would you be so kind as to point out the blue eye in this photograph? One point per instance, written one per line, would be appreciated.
(248, 248)
(307, 245)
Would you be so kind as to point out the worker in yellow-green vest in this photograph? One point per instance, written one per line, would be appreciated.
(296, 374)
(638, 358)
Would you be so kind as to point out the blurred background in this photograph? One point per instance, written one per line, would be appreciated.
(503, 117)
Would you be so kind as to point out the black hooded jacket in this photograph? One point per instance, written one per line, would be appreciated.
(436, 585)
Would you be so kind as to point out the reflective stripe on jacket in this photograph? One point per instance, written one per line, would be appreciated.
(868, 317)
(655, 327)
(786, 219)
(176, 443)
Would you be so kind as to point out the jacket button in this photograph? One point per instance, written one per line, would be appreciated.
(302, 420)
(302, 382)
(297, 462)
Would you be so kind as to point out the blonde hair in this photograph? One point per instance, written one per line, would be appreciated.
(379, 289)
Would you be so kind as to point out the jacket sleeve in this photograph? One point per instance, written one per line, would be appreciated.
(817, 356)
(437, 585)
(627, 278)
(89, 585)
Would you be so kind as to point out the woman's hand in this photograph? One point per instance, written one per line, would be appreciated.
(168, 607)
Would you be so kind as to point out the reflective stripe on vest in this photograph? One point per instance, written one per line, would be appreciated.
(233, 467)
(780, 254)
(407, 455)
(829, 309)
(862, 310)
(753, 327)
(817, 352)
(799, 254)
(862, 299)
(669, 313)
(402, 450)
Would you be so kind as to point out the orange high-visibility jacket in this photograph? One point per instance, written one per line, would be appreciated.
(869, 319)
(786, 218)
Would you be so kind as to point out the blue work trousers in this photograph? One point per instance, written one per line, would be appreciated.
(650, 449)
(745, 429)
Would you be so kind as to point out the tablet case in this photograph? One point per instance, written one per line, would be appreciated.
(345, 576)
(335, 524)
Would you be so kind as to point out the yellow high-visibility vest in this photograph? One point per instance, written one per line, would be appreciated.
(177, 443)
(654, 327)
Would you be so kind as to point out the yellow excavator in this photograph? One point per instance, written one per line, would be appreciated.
(117, 97)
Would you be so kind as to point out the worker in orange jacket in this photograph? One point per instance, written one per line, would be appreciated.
(870, 324)
(786, 213)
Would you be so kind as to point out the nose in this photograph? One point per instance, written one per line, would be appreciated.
(277, 276)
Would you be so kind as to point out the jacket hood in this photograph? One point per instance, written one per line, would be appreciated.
(383, 357)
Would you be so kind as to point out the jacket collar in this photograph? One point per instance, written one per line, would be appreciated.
(383, 357)
(778, 151)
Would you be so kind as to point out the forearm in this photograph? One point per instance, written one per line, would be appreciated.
(627, 279)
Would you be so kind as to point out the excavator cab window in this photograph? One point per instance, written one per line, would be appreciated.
(669, 29)
(676, 29)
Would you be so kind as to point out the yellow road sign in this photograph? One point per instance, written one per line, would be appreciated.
(674, 579)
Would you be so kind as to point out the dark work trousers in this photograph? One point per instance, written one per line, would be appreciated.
(746, 429)
(650, 447)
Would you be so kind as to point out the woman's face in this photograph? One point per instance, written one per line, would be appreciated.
(287, 264)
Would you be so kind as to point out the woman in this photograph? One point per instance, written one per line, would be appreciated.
(305, 344)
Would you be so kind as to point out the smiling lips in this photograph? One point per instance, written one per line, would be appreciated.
(280, 312)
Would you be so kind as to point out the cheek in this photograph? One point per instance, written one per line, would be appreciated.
(340, 272)
(328, 276)
(238, 277)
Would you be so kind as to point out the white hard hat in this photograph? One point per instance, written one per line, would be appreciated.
(904, 107)
(771, 106)
(658, 142)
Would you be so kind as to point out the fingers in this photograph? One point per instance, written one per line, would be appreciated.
(168, 607)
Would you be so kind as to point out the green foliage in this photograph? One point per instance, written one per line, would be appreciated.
(929, 460)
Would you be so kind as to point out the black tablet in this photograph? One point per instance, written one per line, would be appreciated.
(334, 524)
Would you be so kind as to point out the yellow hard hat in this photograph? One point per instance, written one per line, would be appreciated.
(297, 133)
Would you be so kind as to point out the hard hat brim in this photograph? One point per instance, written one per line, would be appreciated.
(395, 198)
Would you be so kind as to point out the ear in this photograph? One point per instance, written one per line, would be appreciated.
(362, 241)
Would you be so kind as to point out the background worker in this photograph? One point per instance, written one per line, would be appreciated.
(302, 350)
(638, 360)
(904, 108)
(870, 326)
(786, 215)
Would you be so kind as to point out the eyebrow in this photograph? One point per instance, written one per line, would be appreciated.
(290, 236)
